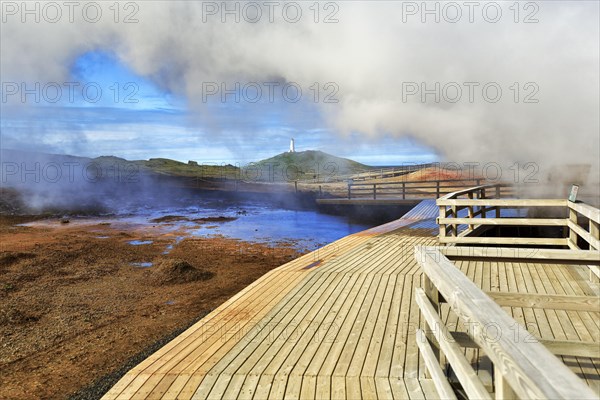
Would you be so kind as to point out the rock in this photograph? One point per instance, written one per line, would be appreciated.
(178, 271)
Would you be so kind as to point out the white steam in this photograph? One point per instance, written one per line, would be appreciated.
(372, 54)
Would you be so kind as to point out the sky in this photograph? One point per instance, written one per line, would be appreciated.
(108, 109)
(381, 82)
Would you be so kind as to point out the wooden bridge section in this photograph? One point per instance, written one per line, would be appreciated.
(408, 189)
(353, 320)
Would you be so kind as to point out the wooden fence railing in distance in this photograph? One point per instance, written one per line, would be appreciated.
(404, 190)
(389, 172)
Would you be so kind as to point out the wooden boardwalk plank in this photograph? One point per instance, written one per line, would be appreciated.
(402, 336)
(368, 387)
(274, 332)
(227, 334)
(188, 344)
(373, 350)
(357, 357)
(384, 389)
(411, 362)
(391, 327)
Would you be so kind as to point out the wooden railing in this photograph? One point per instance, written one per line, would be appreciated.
(404, 189)
(388, 172)
(522, 368)
(465, 214)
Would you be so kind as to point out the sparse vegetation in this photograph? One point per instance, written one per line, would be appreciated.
(8, 287)
(307, 165)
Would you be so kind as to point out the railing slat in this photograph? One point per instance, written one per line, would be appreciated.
(461, 367)
(579, 231)
(439, 379)
(512, 203)
(547, 255)
(569, 348)
(505, 240)
(550, 301)
(505, 221)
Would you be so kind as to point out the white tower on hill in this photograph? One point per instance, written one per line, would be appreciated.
(292, 148)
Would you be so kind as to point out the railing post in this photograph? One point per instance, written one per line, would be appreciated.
(403, 190)
(349, 189)
(594, 231)
(434, 297)
(482, 196)
(454, 226)
(437, 189)
(498, 196)
(501, 387)
(443, 226)
(374, 191)
(572, 233)
(470, 208)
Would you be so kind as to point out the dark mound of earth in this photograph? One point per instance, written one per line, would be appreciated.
(215, 219)
(11, 257)
(177, 218)
(170, 218)
(178, 271)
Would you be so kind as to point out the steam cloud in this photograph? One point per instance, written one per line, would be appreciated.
(372, 53)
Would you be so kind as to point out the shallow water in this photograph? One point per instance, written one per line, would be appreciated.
(140, 242)
(142, 264)
(302, 229)
(243, 220)
(308, 228)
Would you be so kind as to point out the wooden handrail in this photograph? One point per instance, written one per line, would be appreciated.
(563, 256)
(530, 369)
(586, 210)
(472, 189)
(505, 221)
(513, 203)
(413, 182)
(450, 222)
(403, 188)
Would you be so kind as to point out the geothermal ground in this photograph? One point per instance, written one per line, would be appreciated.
(78, 304)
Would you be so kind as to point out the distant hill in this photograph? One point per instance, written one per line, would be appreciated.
(190, 169)
(307, 165)
(161, 166)
(284, 167)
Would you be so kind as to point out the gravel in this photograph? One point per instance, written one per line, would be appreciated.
(97, 389)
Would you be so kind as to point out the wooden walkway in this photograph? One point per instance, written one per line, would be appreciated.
(340, 323)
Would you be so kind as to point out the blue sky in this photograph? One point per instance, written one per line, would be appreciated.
(133, 118)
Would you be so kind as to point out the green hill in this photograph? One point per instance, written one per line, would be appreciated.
(191, 169)
(306, 165)
(284, 167)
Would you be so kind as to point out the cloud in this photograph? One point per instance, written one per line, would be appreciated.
(376, 54)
